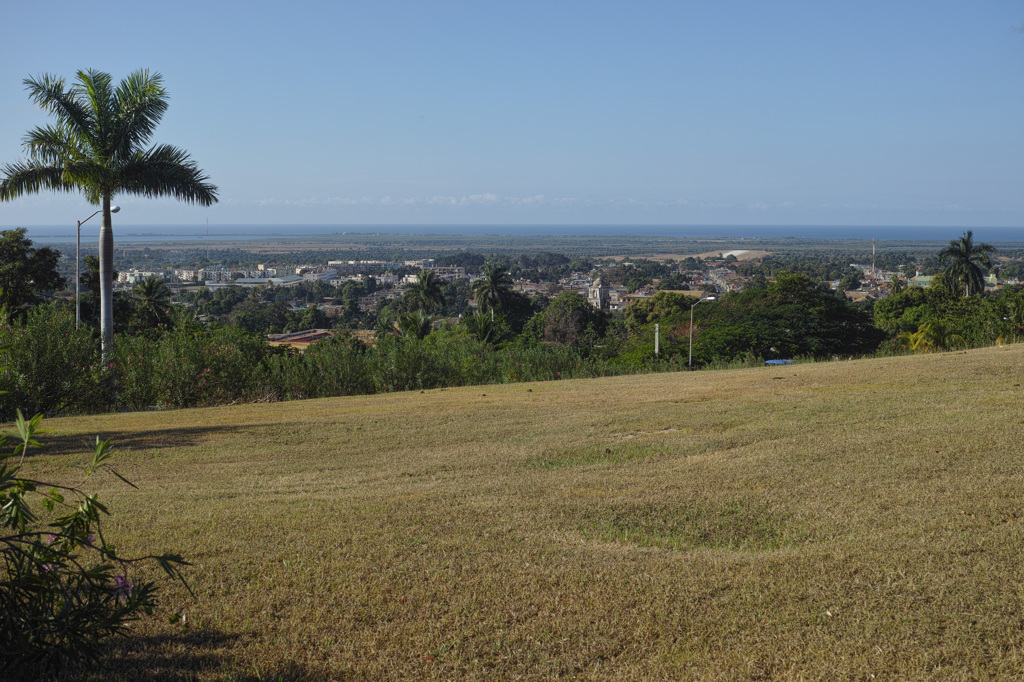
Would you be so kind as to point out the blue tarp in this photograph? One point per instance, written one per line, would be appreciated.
(778, 362)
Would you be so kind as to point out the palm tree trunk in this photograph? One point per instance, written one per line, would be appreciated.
(107, 283)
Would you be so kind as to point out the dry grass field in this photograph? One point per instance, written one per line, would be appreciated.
(848, 520)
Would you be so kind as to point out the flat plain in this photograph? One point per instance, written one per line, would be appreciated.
(853, 520)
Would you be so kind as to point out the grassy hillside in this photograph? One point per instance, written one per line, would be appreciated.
(845, 520)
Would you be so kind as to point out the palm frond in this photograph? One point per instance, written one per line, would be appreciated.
(54, 145)
(47, 92)
(89, 173)
(29, 177)
(166, 171)
(141, 103)
(94, 87)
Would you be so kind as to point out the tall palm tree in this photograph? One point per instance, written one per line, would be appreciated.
(966, 260)
(494, 289)
(97, 146)
(425, 293)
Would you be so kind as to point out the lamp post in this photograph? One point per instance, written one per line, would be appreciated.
(78, 266)
(709, 298)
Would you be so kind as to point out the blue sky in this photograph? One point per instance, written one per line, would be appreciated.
(802, 113)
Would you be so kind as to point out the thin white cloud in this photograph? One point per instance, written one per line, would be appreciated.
(486, 199)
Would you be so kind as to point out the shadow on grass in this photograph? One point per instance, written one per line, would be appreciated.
(196, 655)
(156, 439)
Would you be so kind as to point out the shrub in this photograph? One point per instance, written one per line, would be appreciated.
(52, 368)
(63, 586)
(135, 359)
(331, 367)
(196, 367)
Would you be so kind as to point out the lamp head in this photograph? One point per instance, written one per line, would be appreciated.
(115, 209)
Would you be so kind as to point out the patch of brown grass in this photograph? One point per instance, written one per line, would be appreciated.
(839, 520)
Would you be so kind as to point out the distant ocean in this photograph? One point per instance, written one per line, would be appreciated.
(164, 233)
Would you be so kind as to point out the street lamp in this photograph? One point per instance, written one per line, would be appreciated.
(78, 267)
(709, 298)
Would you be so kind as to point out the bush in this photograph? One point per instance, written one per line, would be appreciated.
(52, 368)
(63, 586)
(135, 359)
(331, 367)
(196, 367)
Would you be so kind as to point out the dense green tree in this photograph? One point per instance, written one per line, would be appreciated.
(1012, 270)
(674, 281)
(547, 259)
(225, 300)
(976, 319)
(568, 320)
(792, 317)
(664, 307)
(25, 271)
(967, 262)
(456, 297)
(849, 282)
(462, 259)
(313, 317)
(256, 316)
(97, 147)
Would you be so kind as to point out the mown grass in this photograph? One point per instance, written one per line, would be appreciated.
(836, 520)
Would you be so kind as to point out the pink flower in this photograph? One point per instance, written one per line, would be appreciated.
(122, 586)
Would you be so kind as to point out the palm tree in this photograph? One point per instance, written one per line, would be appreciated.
(1014, 316)
(933, 336)
(425, 293)
(966, 262)
(415, 325)
(152, 298)
(481, 327)
(494, 289)
(97, 147)
(896, 285)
